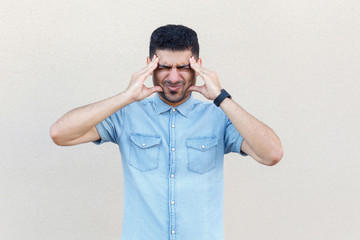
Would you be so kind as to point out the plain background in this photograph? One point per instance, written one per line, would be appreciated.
(294, 65)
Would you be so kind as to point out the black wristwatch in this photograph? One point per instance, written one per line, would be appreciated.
(224, 94)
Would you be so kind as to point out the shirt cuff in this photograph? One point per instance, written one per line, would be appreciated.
(240, 143)
(102, 133)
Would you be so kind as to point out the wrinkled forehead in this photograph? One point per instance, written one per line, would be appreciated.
(173, 58)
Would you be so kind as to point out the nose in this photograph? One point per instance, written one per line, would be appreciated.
(174, 75)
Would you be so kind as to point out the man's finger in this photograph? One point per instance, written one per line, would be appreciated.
(197, 68)
(150, 67)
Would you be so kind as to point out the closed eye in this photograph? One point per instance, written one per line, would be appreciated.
(164, 66)
(187, 66)
(179, 68)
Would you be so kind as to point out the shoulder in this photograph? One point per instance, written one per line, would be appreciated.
(205, 107)
(139, 108)
(132, 107)
(140, 104)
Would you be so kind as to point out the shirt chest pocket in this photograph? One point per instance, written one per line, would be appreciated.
(201, 154)
(144, 152)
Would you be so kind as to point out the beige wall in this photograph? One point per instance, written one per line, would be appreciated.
(295, 65)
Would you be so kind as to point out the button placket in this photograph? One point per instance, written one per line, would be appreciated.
(172, 169)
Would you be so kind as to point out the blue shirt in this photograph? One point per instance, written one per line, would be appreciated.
(172, 162)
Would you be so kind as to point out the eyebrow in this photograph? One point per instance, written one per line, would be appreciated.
(178, 67)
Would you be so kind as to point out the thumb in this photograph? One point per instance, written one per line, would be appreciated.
(196, 88)
(155, 89)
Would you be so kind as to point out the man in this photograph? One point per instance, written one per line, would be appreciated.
(172, 145)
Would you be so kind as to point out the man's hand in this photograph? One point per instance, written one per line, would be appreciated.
(211, 88)
(79, 125)
(136, 90)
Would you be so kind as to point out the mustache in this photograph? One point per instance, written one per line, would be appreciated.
(169, 83)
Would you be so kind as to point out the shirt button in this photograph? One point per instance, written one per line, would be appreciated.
(173, 109)
(172, 202)
(172, 175)
(173, 149)
(202, 146)
(173, 232)
(173, 126)
(143, 144)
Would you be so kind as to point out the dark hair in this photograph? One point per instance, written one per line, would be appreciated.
(174, 37)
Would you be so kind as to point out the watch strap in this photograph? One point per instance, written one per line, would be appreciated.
(224, 94)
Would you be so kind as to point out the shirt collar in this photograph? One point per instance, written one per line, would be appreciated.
(184, 108)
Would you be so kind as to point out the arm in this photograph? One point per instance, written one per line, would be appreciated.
(260, 142)
(78, 125)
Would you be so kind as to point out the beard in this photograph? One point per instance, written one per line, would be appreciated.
(174, 96)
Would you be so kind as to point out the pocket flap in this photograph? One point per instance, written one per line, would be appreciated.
(202, 144)
(145, 141)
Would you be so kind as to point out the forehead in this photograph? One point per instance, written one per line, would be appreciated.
(173, 58)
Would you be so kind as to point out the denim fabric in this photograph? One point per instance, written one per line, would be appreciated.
(172, 162)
